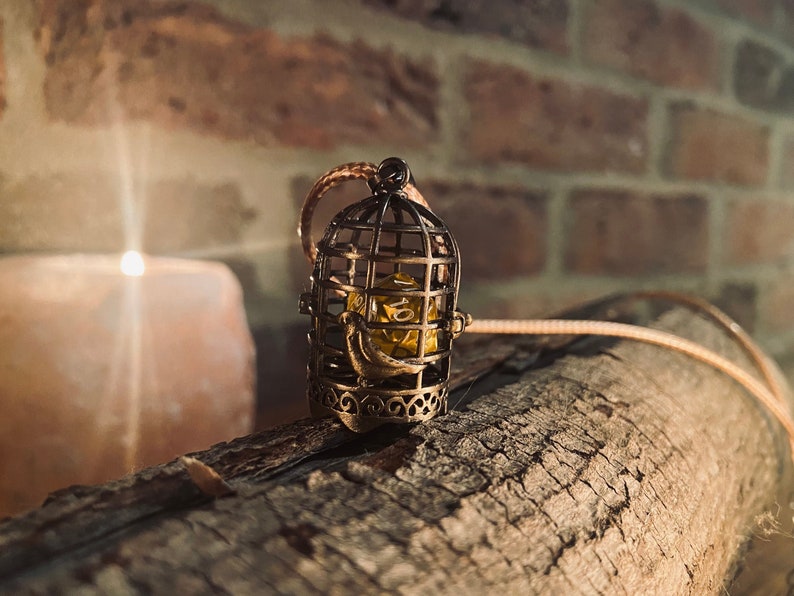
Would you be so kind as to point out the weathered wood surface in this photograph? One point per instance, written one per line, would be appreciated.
(623, 470)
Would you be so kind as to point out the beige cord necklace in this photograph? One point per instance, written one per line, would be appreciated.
(772, 391)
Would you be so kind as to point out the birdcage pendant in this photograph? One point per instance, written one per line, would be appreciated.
(383, 307)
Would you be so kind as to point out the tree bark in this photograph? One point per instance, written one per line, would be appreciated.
(619, 469)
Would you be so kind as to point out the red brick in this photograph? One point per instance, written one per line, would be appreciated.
(184, 65)
(501, 231)
(710, 145)
(758, 11)
(614, 232)
(181, 215)
(550, 123)
(663, 45)
(777, 304)
(759, 232)
(78, 213)
(536, 23)
(787, 165)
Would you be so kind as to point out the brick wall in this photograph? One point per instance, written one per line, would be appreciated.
(576, 147)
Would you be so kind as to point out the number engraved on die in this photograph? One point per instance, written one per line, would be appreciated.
(401, 315)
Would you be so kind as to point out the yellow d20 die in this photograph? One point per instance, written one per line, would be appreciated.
(398, 343)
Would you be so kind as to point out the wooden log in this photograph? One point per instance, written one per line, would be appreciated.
(621, 469)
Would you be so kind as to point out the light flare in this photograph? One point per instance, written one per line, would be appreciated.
(132, 264)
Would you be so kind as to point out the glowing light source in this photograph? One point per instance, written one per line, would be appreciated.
(117, 365)
(132, 263)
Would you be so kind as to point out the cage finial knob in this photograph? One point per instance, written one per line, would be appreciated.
(392, 176)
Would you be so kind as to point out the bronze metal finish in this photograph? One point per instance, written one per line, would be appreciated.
(389, 359)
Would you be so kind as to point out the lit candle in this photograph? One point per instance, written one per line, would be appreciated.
(109, 364)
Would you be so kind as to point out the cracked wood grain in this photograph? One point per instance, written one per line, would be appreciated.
(622, 469)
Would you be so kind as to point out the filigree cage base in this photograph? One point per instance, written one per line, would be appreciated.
(362, 409)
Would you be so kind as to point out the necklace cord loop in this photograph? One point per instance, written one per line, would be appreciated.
(357, 170)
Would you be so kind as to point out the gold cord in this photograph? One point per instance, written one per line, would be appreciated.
(775, 403)
(773, 396)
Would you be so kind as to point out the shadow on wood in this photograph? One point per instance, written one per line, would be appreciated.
(624, 468)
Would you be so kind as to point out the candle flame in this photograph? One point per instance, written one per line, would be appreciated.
(132, 263)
